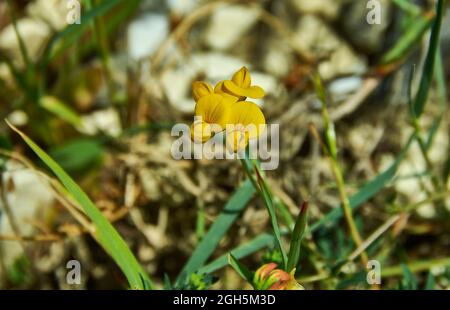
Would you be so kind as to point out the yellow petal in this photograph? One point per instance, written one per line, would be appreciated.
(200, 131)
(248, 115)
(200, 89)
(251, 92)
(236, 140)
(214, 109)
(220, 89)
(242, 78)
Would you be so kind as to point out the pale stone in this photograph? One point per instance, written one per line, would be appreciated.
(146, 34)
(228, 24)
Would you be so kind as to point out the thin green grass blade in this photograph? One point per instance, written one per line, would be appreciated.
(219, 228)
(408, 40)
(369, 190)
(431, 282)
(241, 251)
(105, 233)
(297, 237)
(243, 271)
(267, 197)
(366, 192)
(60, 109)
(408, 7)
(442, 94)
(428, 70)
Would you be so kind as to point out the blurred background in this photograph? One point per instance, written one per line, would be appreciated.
(102, 96)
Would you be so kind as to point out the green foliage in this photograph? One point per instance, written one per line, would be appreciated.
(77, 155)
(105, 233)
(227, 217)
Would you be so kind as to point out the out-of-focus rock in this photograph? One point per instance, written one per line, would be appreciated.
(317, 38)
(366, 36)
(181, 7)
(145, 35)
(177, 85)
(30, 199)
(35, 34)
(107, 121)
(326, 8)
(18, 118)
(279, 58)
(177, 82)
(228, 25)
(53, 12)
(364, 138)
(342, 87)
(213, 67)
(216, 66)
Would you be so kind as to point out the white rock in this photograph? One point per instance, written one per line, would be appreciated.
(315, 37)
(342, 87)
(177, 82)
(34, 33)
(145, 35)
(18, 118)
(54, 12)
(181, 7)
(228, 25)
(177, 86)
(216, 66)
(106, 120)
(30, 199)
(278, 59)
(343, 61)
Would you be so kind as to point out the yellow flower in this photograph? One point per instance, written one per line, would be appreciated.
(220, 89)
(225, 108)
(201, 89)
(212, 113)
(240, 86)
(246, 121)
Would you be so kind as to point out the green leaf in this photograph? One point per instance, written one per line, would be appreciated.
(268, 200)
(409, 281)
(407, 41)
(297, 237)
(369, 190)
(105, 233)
(77, 155)
(428, 70)
(431, 282)
(60, 109)
(243, 271)
(243, 250)
(211, 240)
(366, 192)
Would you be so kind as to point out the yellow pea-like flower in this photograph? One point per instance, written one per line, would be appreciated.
(221, 90)
(240, 86)
(246, 122)
(212, 113)
(201, 89)
(200, 131)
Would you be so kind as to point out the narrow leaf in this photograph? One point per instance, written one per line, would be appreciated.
(105, 233)
(428, 70)
(60, 109)
(243, 271)
(297, 237)
(219, 228)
